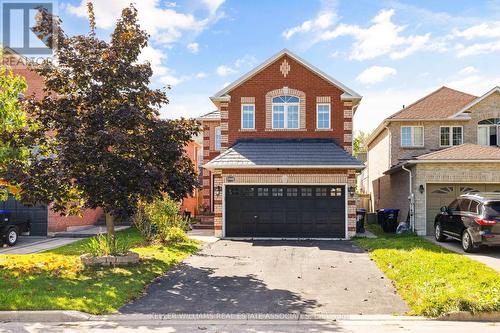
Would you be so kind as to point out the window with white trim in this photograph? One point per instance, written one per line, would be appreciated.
(323, 116)
(218, 138)
(450, 136)
(412, 136)
(488, 132)
(285, 112)
(247, 116)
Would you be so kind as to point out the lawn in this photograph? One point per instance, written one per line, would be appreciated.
(432, 280)
(57, 280)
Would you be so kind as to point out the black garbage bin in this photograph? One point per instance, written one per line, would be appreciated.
(388, 219)
(360, 220)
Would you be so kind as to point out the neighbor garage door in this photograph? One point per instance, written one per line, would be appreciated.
(439, 195)
(285, 211)
(37, 215)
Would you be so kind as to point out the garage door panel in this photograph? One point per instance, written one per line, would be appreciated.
(285, 211)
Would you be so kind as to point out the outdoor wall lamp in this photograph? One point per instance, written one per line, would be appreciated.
(421, 189)
(351, 190)
(217, 190)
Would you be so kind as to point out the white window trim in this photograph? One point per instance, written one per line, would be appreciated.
(497, 127)
(243, 105)
(412, 137)
(217, 129)
(329, 116)
(286, 114)
(450, 135)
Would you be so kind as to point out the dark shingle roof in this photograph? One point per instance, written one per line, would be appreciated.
(440, 104)
(290, 153)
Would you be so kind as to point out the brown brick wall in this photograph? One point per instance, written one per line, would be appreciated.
(56, 222)
(209, 153)
(298, 78)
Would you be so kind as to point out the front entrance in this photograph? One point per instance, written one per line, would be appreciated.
(439, 195)
(285, 211)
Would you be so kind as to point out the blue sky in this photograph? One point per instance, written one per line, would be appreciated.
(391, 52)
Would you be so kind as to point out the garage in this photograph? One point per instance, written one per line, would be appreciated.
(36, 214)
(439, 195)
(285, 211)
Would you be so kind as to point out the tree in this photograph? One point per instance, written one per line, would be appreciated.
(12, 121)
(360, 142)
(110, 148)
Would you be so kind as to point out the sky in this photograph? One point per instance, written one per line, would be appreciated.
(390, 52)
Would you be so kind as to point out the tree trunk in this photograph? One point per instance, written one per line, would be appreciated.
(110, 225)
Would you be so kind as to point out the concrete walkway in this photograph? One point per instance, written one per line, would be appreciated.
(231, 277)
(32, 244)
(490, 256)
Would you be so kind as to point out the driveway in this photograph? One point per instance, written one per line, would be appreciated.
(32, 244)
(490, 256)
(332, 277)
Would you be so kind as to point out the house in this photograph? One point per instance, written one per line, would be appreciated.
(43, 219)
(423, 156)
(277, 154)
(191, 203)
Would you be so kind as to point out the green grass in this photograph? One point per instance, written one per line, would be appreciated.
(432, 280)
(56, 279)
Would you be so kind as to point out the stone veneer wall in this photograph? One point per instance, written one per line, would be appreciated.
(448, 173)
(290, 176)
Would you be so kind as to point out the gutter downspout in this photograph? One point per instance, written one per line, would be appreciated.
(411, 198)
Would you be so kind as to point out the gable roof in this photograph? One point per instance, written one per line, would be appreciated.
(348, 93)
(463, 152)
(214, 115)
(477, 100)
(440, 104)
(281, 153)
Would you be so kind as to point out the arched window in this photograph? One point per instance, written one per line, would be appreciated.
(488, 132)
(286, 112)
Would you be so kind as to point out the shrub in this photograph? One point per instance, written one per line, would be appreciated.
(176, 235)
(104, 245)
(144, 224)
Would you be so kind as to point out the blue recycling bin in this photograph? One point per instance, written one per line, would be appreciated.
(388, 219)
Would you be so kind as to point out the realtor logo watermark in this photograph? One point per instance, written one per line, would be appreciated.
(17, 21)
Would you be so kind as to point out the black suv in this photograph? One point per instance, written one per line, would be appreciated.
(473, 219)
(10, 229)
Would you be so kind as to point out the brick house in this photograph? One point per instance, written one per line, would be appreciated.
(277, 154)
(439, 147)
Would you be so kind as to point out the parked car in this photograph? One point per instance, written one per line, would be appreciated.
(10, 228)
(473, 219)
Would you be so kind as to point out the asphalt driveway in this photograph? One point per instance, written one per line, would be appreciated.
(329, 277)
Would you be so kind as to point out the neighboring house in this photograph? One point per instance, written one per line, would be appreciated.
(277, 154)
(433, 150)
(191, 203)
(42, 218)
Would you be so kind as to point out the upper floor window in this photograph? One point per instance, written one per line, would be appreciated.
(323, 116)
(286, 112)
(450, 136)
(488, 132)
(218, 138)
(412, 136)
(248, 116)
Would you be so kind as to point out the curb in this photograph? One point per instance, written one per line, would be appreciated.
(467, 316)
(44, 316)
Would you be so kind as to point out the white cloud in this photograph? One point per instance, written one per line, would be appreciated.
(375, 74)
(162, 22)
(322, 21)
(474, 84)
(246, 61)
(201, 75)
(187, 105)
(382, 37)
(224, 70)
(477, 48)
(193, 47)
(468, 70)
(483, 30)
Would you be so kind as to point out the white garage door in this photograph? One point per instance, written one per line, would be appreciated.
(439, 195)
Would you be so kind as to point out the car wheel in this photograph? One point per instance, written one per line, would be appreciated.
(12, 236)
(438, 233)
(467, 243)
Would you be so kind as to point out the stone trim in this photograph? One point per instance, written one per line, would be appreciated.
(347, 126)
(285, 91)
(323, 99)
(249, 100)
(348, 138)
(348, 113)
